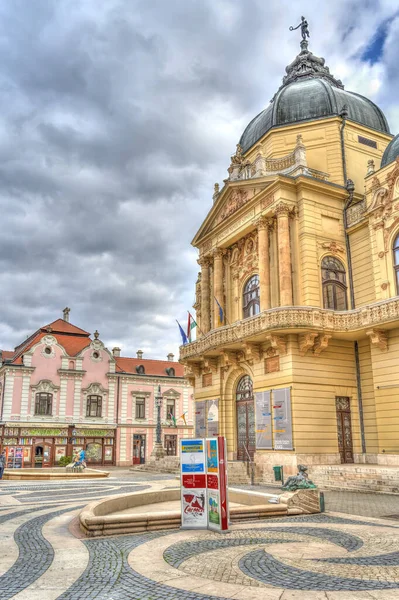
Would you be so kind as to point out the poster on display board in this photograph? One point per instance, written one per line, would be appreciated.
(282, 419)
(206, 414)
(213, 418)
(192, 456)
(193, 484)
(217, 499)
(200, 422)
(263, 420)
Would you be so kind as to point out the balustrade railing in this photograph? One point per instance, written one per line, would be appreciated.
(296, 318)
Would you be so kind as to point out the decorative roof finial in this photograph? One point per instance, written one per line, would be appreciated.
(96, 334)
(304, 28)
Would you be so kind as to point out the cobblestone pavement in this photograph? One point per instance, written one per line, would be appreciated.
(327, 556)
(353, 503)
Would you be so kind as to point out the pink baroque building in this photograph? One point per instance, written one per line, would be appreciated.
(61, 390)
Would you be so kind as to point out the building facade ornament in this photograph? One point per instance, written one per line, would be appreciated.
(237, 199)
(333, 247)
(253, 351)
(211, 364)
(321, 343)
(95, 389)
(378, 338)
(306, 342)
(283, 209)
(45, 386)
(277, 342)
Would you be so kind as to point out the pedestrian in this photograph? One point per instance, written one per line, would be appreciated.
(82, 458)
(2, 463)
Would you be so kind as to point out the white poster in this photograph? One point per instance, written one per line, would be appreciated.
(193, 508)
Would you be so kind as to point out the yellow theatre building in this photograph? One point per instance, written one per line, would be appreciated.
(300, 248)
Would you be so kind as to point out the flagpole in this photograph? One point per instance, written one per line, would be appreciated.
(199, 328)
(225, 318)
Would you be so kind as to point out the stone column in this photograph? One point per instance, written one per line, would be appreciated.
(380, 246)
(264, 262)
(205, 316)
(218, 285)
(284, 254)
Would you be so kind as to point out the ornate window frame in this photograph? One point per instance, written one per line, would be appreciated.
(395, 263)
(253, 301)
(95, 389)
(44, 386)
(99, 407)
(135, 394)
(336, 283)
(174, 395)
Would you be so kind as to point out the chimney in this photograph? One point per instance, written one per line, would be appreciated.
(139, 354)
(65, 314)
(116, 352)
(171, 356)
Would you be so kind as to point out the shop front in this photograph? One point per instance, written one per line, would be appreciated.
(41, 447)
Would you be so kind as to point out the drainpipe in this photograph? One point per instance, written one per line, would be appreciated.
(351, 188)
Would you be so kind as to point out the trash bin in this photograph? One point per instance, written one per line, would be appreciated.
(278, 473)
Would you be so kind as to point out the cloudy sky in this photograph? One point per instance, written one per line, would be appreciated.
(117, 117)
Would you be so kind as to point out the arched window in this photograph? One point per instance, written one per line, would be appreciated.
(244, 389)
(94, 406)
(43, 404)
(396, 261)
(250, 300)
(334, 283)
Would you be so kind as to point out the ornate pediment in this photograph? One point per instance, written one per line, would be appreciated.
(235, 200)
(95, 389)
(45, 385)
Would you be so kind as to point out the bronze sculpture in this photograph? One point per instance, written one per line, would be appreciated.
(304, 28)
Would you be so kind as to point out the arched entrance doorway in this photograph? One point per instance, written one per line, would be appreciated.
(245, 418)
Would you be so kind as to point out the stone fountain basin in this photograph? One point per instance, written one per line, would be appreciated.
(156, 510)
(52, 473)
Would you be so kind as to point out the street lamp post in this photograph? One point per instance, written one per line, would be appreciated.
(158, 403)
(158, 450)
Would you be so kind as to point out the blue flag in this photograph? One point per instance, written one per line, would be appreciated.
(221, 314)
(183, 335)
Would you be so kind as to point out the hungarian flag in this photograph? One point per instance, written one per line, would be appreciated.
(190, 325)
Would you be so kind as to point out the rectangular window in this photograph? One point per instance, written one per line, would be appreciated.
(94, 406)
(43, 404)
(170, 409)
(140, 408)
(366, 141)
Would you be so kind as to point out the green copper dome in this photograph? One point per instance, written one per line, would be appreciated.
(309, 92)
(391, 152)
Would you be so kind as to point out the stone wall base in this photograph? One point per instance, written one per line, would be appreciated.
(167, 464)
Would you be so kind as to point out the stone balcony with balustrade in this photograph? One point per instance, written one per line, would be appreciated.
(371, 320)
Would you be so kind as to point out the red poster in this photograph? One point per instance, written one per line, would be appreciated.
(193, 481)
(212, 482)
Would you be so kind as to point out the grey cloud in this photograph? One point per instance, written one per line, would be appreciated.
(117, 118)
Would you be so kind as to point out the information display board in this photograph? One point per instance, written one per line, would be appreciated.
(193, 484)
(203, 478)
(282, 419)
(263, 420)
